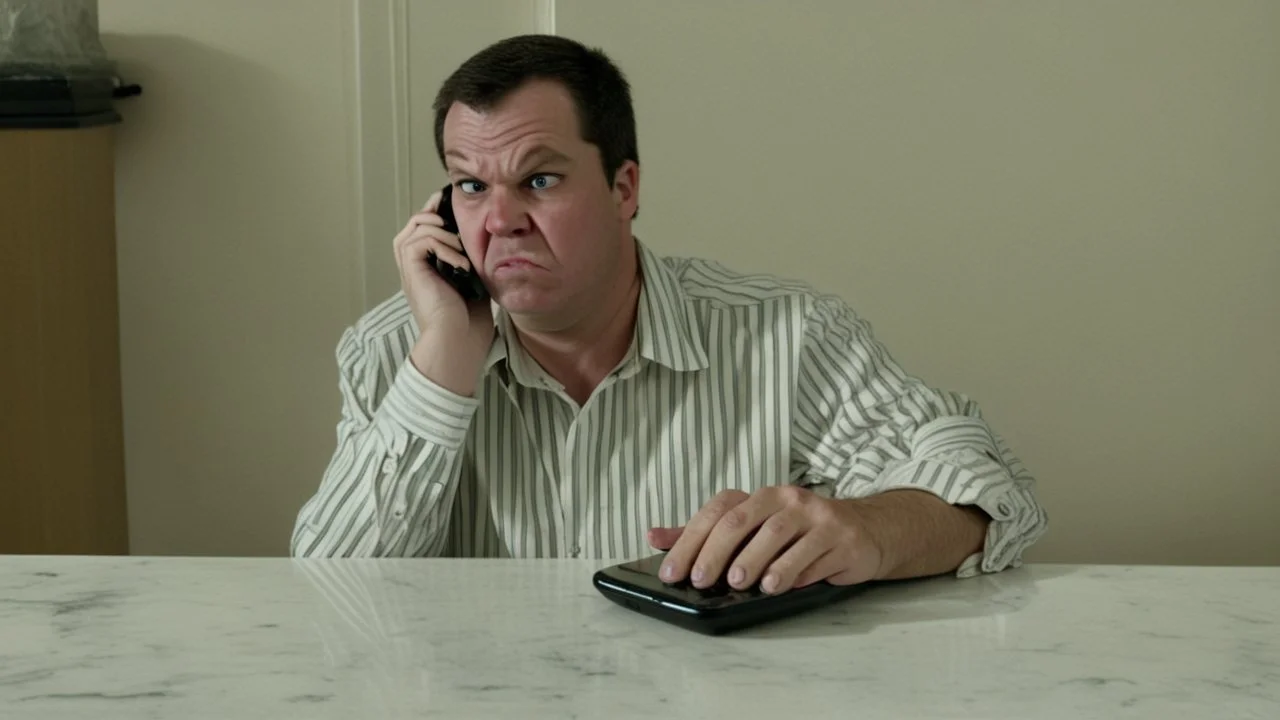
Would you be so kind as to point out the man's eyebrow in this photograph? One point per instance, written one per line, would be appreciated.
(543, 154)
(539, 155)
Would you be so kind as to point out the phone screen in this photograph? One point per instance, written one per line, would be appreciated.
(643, 574)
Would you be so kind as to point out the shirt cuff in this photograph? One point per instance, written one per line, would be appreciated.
(415, 405)
(958, 460)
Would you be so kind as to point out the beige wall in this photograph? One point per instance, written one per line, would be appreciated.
(1070, 211)
(236, 263)
(1066, 210)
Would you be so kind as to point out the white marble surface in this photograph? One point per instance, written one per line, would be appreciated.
(276, 638)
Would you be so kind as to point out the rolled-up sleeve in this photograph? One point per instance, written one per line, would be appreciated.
(862, 426)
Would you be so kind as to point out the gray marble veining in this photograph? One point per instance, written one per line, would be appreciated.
(278, 638)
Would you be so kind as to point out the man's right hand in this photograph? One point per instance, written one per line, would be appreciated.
(454, 335)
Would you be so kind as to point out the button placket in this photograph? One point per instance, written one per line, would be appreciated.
(569, 490)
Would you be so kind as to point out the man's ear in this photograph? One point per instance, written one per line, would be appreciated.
(626, 189)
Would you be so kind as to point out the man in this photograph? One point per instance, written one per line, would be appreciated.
(610, 399)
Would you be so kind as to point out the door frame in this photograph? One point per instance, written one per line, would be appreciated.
(376, 49)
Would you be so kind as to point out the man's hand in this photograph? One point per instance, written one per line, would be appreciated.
(800, 538)
(454, 335)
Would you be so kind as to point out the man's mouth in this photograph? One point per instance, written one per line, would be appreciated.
(516, 264)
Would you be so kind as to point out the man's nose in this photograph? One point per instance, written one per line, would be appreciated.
(506, 214)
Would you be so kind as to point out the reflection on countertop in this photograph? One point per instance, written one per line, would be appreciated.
(452, 638)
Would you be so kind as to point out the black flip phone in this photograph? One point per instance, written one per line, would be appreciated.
(466, 282)
(716, 610)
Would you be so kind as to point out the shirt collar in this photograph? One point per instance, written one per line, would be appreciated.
(666, 328)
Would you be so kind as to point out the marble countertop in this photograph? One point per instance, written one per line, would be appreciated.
(280, 638)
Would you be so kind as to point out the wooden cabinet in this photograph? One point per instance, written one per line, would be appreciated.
(62, 484)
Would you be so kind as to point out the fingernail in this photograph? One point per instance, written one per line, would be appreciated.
(770, 583)
(697, 574)
(668, 572)
(736, 575)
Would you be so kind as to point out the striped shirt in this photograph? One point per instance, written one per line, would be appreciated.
(731, 381)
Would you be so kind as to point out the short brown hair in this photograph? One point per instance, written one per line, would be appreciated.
(600, 92)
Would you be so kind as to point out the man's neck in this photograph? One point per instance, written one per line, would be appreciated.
(581, 356)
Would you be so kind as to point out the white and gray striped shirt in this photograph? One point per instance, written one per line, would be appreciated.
(732, 381)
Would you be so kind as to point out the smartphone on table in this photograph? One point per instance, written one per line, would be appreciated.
(715, 610)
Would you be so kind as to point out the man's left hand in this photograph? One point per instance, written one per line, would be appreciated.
(800, 538)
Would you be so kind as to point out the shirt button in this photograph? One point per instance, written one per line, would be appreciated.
(388, 466)
(576, 550)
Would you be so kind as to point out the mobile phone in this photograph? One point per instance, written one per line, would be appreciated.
(466, 282)
(715, 610)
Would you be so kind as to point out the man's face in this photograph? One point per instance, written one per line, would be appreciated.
(537, 216)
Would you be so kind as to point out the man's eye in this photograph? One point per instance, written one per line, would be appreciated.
(470, 187)
(542, 182)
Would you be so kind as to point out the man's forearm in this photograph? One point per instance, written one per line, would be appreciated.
(919, 534)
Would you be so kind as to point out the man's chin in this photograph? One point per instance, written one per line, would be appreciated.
(526, 301)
